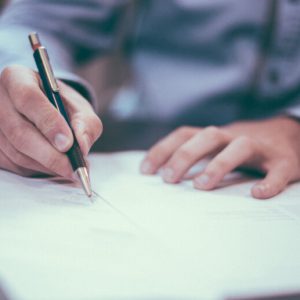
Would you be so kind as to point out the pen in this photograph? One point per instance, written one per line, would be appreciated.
(52, 92)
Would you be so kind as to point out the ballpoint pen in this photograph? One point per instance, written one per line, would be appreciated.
(52, 92)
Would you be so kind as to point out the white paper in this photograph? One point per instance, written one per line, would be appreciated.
(147, 240)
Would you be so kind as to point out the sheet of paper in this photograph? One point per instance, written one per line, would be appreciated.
(146, 239)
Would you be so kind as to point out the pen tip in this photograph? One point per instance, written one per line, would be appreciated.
(85, 181)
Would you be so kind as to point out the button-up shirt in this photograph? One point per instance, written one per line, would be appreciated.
(193, 62)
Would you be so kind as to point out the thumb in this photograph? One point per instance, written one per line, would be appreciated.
(275, 182)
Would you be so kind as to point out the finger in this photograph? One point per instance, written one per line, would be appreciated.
(22, 88)
(23, 136)
(275, 181)
(19, 158)
(7, 164)
(162, 151)
(202, 144)
(86, 124)
(237, 153)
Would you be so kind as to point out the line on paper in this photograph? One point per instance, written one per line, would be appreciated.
(107, 202)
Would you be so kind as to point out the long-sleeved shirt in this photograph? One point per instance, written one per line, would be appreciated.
(193, 62)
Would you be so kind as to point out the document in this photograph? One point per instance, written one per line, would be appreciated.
(143, 239)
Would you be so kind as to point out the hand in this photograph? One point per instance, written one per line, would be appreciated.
(33, 135)
(271, 146)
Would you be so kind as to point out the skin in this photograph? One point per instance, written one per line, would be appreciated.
(34, 138)
(270, 146)
(33, 135)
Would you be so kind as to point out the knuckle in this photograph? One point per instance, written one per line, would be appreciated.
(97, 127)
(49, 121)
(17, 135)
(245, 141)
(6, 75)
(213, 132)
(183, 155)
(184, 131)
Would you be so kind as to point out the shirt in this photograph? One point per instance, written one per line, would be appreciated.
(193, 62)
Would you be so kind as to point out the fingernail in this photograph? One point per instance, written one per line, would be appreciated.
(168, 174)
(202, 181)
(261, 188)
(61, 142)
(146, 167)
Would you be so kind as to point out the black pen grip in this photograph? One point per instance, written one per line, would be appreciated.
(75, 156)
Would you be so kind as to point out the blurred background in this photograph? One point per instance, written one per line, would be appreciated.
(106, 75)
(110, 77)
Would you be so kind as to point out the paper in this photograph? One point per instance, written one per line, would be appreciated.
(147, 240)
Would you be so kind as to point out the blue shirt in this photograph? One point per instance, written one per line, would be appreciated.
(193, 62)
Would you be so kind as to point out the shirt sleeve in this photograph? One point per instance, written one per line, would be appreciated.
(72, 31)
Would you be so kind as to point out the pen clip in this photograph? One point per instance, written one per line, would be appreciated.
(48, 69)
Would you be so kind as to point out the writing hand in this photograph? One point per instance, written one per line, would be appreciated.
(33, 135)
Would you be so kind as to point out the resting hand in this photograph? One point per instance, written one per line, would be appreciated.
(33, 135)
(271, 147)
